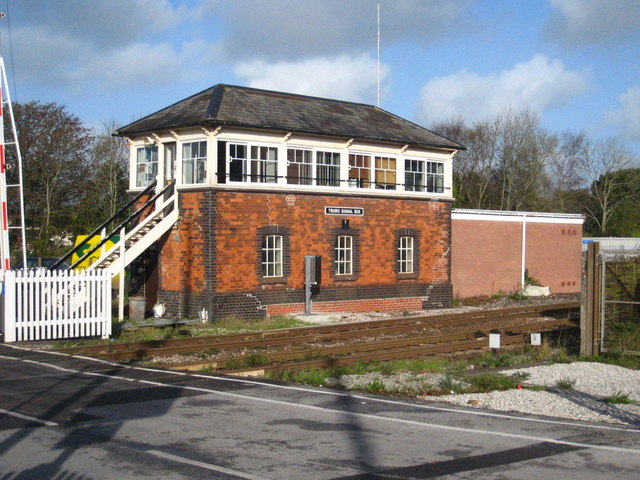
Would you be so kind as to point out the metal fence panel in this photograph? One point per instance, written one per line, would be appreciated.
(620, 291)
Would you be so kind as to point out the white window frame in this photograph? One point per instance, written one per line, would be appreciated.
(385, 185)
(198, 162)
(272, 256)
(262, 165)
(415, 186)
(360, 181)
(344, 255)
(149, 177)
(405, 254)
(308, 180)
(335, 167)
(250, 161)
(434, 180)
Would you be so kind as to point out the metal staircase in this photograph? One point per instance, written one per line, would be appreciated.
(138, 232)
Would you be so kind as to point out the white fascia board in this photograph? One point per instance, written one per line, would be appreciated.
(510, 216)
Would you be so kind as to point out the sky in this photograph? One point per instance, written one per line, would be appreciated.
(575, 63)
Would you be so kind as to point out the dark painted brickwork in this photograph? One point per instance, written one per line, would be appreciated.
(210, 258)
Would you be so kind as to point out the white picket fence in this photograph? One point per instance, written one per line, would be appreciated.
(48, 305)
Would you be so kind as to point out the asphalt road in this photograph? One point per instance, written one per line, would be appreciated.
(69, 418)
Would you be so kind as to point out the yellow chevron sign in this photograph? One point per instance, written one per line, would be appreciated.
(88, 246)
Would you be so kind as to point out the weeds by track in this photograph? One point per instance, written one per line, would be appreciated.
(347, 343)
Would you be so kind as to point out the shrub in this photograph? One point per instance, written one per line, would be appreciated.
(488, 383)
(565, 383)
(618, 398)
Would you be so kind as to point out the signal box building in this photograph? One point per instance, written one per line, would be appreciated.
(264, 178)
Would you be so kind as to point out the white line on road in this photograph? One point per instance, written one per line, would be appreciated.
(208, 466)
(27, 417)
(368, 416)
(332, 393)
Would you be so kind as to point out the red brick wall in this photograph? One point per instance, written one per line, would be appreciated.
(487, 256)
(239, 215)
(554, 255)
(181, 260)
(211, 258)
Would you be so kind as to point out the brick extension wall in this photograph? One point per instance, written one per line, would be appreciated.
(487, 254)
(211, 258)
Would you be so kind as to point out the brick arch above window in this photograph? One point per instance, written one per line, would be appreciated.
(263, 233)
(415, 235)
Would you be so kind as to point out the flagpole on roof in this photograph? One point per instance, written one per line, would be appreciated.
(378, 104)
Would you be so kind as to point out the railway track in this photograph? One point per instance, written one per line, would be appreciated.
(346, 343)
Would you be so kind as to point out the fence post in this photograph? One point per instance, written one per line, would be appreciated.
(9, 306)
(590, 318)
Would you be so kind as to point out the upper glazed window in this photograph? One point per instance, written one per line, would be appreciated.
(194, 162)
(146, 165)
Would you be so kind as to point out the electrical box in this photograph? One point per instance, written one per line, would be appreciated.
(312, 269)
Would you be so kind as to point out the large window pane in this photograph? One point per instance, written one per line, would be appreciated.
(264, 164)
(385, 173)
(194, 162)
(359, 171)
(237, 162)
(328, 169)
(299, 167)
(414, 175)
(146, 165)
(435, 177)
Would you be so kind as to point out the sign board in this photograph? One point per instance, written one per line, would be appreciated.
(357, 211)
(88, 246)
(536, 339)
(494, 340)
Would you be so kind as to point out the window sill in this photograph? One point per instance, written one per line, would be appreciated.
(273, 280)
(344, 278)
(407, 276)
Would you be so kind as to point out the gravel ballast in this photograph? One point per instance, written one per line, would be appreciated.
(591, 383)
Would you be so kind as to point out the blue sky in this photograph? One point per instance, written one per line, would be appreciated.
(573, 62)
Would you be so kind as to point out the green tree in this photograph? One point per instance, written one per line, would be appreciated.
(56, 154)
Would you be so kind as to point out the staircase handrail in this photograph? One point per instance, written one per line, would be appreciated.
(131, 217)
(61, 260)
(127, 236)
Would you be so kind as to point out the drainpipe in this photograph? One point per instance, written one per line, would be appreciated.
(524, 249)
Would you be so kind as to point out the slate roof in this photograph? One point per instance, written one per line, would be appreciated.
(229, 105)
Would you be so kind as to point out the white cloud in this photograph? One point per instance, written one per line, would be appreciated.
(594, 21)
(628, 116)
(537, 85)
(343, 77)
(291, 30)
(74, 43)
(136, 64)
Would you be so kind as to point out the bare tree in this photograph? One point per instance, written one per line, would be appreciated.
(599, 164)
(523, 150)
(472, 173)
(563, 169)
(107, 189)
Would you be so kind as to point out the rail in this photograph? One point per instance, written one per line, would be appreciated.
(96, 231)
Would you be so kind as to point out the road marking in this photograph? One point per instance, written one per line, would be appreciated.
(208, 466)
(311, 390)
(27, 417)
(355, 414)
